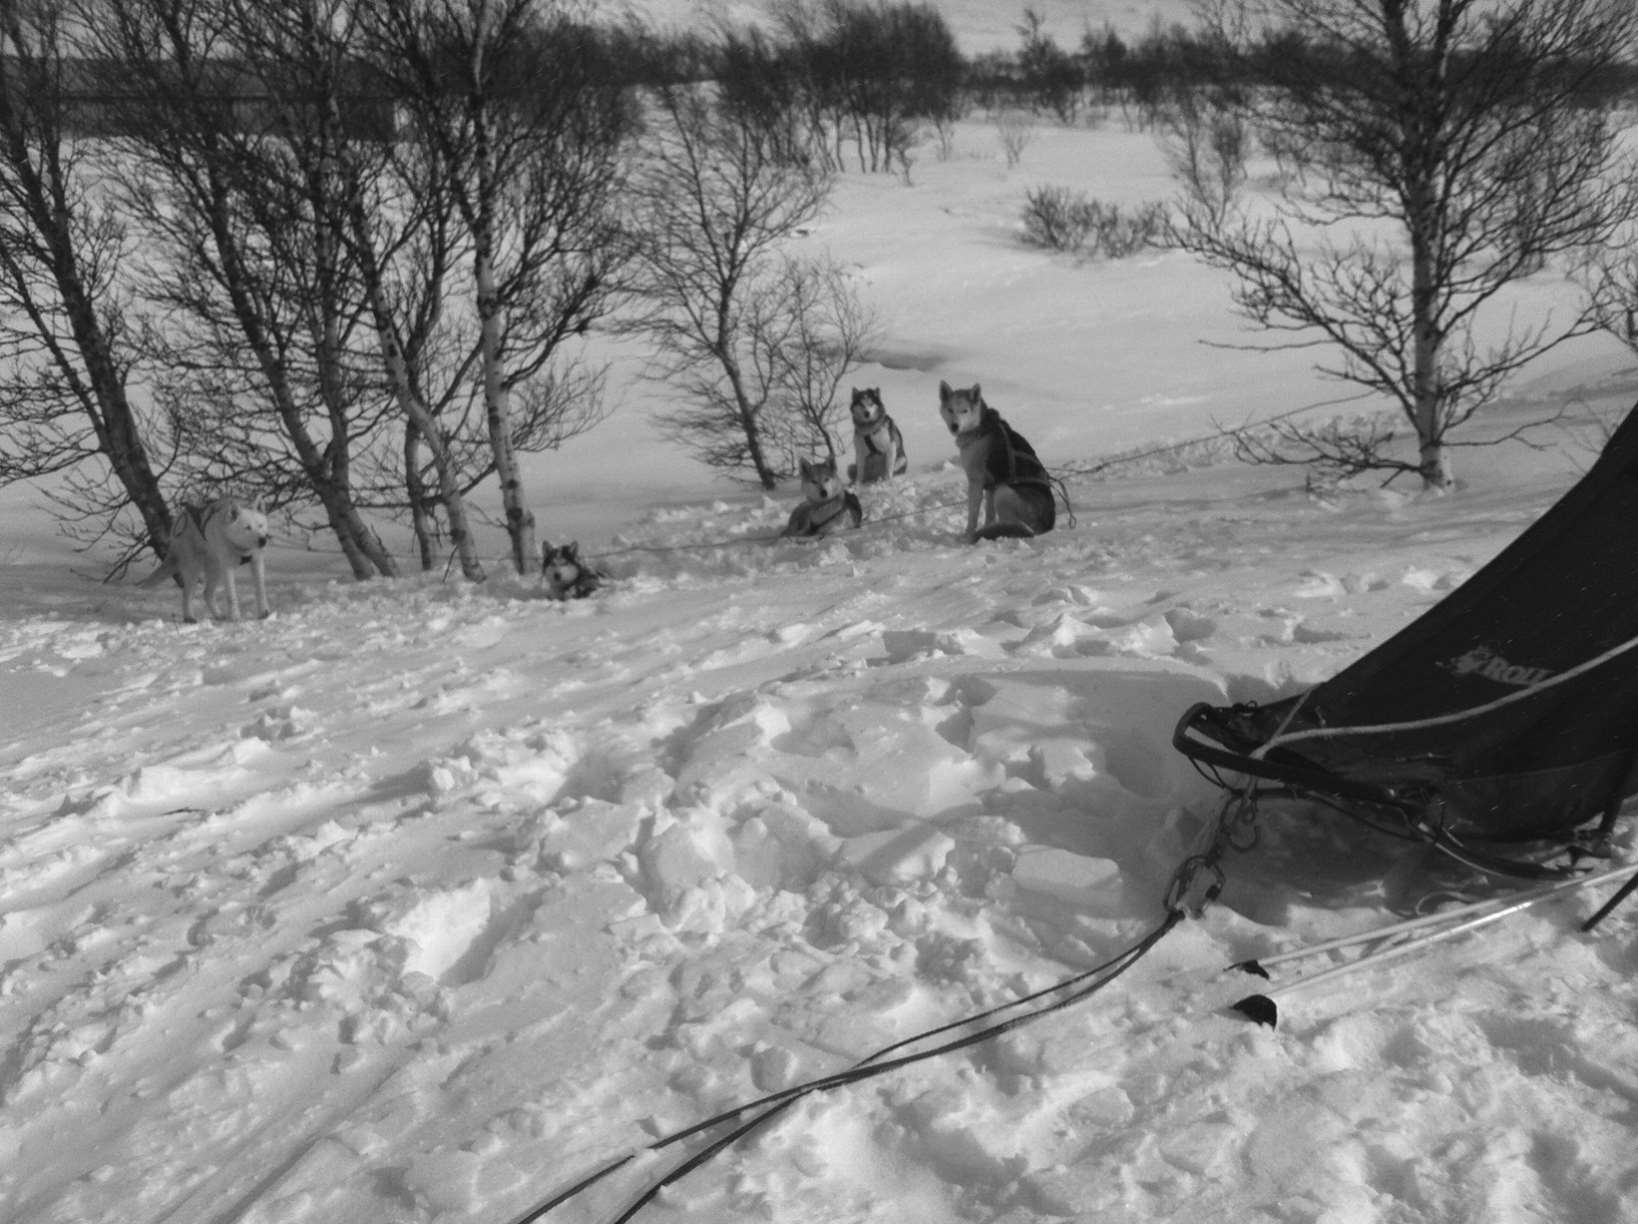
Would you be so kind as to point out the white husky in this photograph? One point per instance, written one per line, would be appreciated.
(211, 541)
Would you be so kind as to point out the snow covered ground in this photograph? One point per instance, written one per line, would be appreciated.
(420, 902)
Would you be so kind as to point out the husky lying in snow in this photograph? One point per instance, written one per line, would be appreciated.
(878, 446)
(1003, 473)
(826, 506)
(566, 576)
(211, 541)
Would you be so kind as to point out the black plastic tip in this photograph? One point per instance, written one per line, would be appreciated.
(1252, 966)
(1259, 1008)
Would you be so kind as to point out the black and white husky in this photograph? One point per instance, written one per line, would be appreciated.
(566, 576)
(878, 446)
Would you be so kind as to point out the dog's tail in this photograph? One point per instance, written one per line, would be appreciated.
(167, 569)
(1006, 531)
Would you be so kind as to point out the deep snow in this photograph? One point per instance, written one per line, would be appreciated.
(420, 901)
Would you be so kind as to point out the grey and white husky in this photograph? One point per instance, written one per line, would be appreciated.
(826, 506)
(1005, 478)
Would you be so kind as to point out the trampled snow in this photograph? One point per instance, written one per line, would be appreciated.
(421, 901)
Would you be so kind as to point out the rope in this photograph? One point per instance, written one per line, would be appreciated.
(1165, 448)
(1072, 990)
(731, 541)
(1195, 884)
(1058, 480)
(1060, 487)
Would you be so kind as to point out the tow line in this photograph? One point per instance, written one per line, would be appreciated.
(1195, 885)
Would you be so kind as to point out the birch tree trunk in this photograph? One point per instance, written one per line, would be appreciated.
(54, 242)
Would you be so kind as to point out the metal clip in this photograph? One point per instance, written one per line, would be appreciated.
(1195, 885)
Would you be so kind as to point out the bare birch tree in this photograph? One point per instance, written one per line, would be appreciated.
(384, 203)
(505, 92)
(807, 331)
(246, 258)
(720, 197)
(68, 339)
(403, 269)
(1447, 149)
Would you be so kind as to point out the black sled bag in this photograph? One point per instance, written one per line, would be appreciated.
(1506, 712)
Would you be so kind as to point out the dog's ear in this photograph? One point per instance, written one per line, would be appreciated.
(805, 468)
(944, 391)
(545, 550)
(978, 394)
(572, 550)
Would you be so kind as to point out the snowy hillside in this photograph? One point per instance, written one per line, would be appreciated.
(421, 902)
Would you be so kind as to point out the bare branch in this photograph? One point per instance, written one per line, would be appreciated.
(720, 197)
(1440, 152)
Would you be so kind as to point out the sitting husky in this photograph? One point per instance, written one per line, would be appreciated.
(211, 541)
(826, 507)
(1002, 471)
(565, 574)
(878, 446)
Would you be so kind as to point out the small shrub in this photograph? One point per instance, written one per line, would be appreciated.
(1015, 129)
(1064, 220)
(1055, 218)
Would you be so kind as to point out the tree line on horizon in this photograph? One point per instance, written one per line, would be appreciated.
(342, 255)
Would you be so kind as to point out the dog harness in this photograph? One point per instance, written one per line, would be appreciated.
(582, 585)
(842, 503)
(1014, 462)
(870, 442)
(202, 513)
